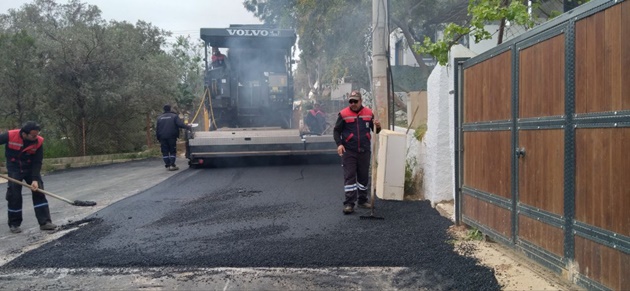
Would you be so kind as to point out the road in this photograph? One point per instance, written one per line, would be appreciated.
(230, 228)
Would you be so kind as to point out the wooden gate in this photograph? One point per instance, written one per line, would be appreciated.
(543, 136)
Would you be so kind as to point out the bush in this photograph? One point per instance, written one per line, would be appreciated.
(56, 148)
(420, 131)
(410, 180)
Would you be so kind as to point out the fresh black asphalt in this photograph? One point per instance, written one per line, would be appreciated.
(287, 216)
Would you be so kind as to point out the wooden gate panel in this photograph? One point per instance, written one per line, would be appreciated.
(541, 170)
(602, 264)
(488, 90)
(570, 111)
(487, 161)
(493, 216)
(541, 79)
(602, 184)
(541, 234)
(601, 80)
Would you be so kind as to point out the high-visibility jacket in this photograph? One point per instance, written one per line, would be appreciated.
(20, 153)
(356, 135)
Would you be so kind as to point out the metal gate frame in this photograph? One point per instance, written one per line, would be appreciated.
(569, 122)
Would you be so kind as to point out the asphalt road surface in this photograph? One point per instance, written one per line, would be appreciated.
(260, 227)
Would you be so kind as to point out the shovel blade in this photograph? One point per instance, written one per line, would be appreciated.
(83, 203)
(371, 217)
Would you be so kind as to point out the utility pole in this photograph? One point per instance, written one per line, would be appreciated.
(380, 87)
(380, 37)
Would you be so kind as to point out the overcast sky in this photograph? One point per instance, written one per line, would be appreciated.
(182, 17)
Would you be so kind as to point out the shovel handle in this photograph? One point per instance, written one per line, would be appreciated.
(38, 190)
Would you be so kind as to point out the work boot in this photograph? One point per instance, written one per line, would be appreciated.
(15, 229)
(348, 209)
(173, 168)
(365, 205)
(48, 226)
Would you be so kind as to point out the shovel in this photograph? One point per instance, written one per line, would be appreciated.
(371, 216)
(75, 202)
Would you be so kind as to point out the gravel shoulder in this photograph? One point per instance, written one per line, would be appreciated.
(513, 270)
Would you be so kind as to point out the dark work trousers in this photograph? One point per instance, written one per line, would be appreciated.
(356, 169)
(169, 151)
(14, 197)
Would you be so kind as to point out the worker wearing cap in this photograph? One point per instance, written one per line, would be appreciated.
(24, 152)
(352, 134)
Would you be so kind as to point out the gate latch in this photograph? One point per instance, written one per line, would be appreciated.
(520, 152)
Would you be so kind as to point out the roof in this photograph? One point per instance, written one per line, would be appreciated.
(249, 36)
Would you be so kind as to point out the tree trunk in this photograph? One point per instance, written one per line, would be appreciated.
(504, 3)
(84, 138)
(149, 139)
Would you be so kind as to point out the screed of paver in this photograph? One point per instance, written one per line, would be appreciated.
(286, 217)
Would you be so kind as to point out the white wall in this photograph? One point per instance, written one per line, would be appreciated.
(407, 58)
(415, 155)
(439, 171)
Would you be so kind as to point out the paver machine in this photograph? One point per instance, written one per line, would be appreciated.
(248, 105)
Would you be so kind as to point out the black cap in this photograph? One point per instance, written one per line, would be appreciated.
(167, 108)
(29, 126)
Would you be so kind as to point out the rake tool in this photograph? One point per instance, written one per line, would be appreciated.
(75, 202)
(371, 216)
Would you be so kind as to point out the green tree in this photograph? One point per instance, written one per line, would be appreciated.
(188, 58)
(417, 20)
(19, 76)
(482, 13)
(334, 36)
(101, 81)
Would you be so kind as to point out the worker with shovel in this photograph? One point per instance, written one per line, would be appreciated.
(352, 134)
(24, 155)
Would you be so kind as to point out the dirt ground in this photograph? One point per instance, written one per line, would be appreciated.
(513, 270)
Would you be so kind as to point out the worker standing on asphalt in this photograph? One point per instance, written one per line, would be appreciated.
(352, 135)
(167, 132)
(24, 153)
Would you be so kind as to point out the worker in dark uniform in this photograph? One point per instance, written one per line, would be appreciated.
(167, 132)
(352, 133)
(24, 152)
(218, 59)
(315, 120)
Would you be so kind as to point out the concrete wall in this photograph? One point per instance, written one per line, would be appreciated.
(407, 58)
(52, 164)
(439, 166)
(417, 101)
